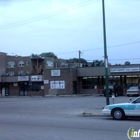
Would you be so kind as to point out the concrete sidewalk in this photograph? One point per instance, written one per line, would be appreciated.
(94, 112)
(84, 112)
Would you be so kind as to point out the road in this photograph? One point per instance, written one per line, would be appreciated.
(59, 118)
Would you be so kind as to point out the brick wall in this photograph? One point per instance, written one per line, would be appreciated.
(2, 63)
(67, 74)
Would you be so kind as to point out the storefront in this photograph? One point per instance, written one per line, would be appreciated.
(60, 81)
(85, 80)
(93, 79)
(23, 85)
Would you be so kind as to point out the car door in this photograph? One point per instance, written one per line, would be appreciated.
(134, 108)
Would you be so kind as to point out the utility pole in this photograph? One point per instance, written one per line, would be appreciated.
(105, 54)
(78, 80)
(79, 58)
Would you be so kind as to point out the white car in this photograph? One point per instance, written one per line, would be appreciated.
(122, 110)
(134, 90)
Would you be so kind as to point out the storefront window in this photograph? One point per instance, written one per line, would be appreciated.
(132, 79)
(90, 82)
(35, 86)
(114, 80)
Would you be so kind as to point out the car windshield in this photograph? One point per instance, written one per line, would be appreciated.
(137, 100)
(133, 88)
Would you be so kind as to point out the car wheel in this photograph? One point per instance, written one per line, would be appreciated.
(118, 114)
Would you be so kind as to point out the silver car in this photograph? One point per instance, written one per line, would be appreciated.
(134, 90)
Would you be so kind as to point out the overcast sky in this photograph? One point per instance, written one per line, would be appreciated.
(66, 26)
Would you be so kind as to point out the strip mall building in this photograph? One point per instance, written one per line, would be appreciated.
(88, 80)
(26, 76)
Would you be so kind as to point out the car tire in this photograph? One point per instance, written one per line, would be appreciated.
(118, 114)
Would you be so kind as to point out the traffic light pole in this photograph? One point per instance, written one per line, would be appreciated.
(105, 54)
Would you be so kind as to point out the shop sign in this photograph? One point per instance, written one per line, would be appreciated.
(36, 78)
(117, 70)
(46, 81)
(57, 84)
(23, 78)
(55, 72)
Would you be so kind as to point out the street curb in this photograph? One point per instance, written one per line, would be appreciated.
(91, 115)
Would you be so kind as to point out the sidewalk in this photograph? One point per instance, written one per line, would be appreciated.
(85, 112)
(94, 112)
(74, 95)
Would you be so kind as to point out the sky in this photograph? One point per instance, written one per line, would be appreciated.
(66, 27)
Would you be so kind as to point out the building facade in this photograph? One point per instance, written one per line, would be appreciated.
(27, 76)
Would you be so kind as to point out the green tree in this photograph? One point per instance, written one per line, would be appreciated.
(98, 63)
(34, 55)
(48, 54)
(82, 60)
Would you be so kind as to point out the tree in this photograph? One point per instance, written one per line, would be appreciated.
(34, 55)
(48, 54)
(82, 60)
(98, 63)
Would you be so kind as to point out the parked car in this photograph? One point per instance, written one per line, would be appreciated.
(117, 90)
(134, 90)
(122, 110)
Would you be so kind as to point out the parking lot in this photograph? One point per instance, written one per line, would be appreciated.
(55, 105)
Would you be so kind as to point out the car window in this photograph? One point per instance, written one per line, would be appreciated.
(133, 88)
(137, 101)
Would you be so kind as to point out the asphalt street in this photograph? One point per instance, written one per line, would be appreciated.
(60, 118)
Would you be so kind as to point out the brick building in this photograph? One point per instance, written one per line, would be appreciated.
(60, 81)
(27, 76)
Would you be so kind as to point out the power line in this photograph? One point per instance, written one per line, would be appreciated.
(124, 44)
(48, 15)
(119, 59)
(102, 47)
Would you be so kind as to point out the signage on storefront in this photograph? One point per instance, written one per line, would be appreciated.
(117, 70)
(23, 78)
(46, 81)
(57, 84)
(36, 78)
(55, 72)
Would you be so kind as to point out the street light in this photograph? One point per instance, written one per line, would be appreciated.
(105, 54)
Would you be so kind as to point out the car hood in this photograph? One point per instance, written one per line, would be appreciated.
(119, 104)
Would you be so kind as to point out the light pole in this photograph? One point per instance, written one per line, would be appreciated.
(105, 54)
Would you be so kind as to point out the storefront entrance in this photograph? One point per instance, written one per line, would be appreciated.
(23, 89)
(4, 90)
